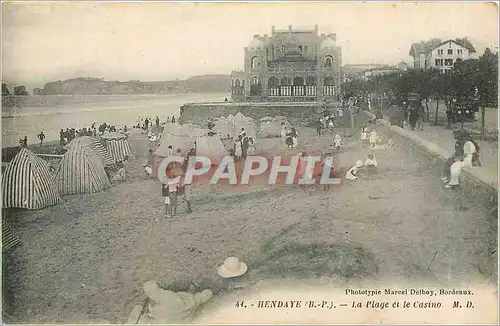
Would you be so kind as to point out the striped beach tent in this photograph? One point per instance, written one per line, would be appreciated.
(96, 145)
(117, 145)
(28, 183)
(81, 170)
(9, 239)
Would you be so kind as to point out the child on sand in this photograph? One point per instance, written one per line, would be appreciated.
(337, 141)
(352, 174)
(371, 163)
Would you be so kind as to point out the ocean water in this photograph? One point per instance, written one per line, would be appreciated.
(52, 113)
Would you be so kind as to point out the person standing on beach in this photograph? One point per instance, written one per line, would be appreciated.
(24, 142)
(157, 122)
(173, 119)
(41, 136)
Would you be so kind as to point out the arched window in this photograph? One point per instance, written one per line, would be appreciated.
(255, 80)
(298, 81)
(255, 62)
(311, 81)
(285, 81)
(329, 81)
(273, 82)
(237, 83)
(328, 61)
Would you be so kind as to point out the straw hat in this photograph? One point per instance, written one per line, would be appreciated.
(359, 163)
(232, 267)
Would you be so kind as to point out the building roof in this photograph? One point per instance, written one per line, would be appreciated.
(256, 43)
(328, 43)
(426, 47)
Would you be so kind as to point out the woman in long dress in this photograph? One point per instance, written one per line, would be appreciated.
(295, 138)
(284, 131)
(238, 150)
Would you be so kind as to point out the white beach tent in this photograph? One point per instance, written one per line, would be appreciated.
(211, 147)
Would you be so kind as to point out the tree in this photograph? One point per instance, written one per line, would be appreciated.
(487, 84)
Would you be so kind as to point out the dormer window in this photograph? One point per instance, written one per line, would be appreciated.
(283, 48)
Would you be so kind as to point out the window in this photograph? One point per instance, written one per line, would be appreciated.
(283, 48)
(439, 62)
(300, 47)
(255, 62)
(450, 51)
(305, 47)
(448, 62)
(459, 51)
(328, 62)
(440, 52)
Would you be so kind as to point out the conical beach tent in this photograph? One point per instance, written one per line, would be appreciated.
(177, 142)
(28, 183)
(9, 239)
(117, 145)
(211, 147)
(96, 145)
(81, 170)
(187, 130)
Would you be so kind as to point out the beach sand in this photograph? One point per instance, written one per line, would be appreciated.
(85, 260)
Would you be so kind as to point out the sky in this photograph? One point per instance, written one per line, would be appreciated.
(160, 41)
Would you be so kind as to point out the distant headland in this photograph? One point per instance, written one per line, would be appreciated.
(215, 83)
(97, 86)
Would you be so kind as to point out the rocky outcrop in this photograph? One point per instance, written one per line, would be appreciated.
(99, 86)
(20, 91)
(5, 90)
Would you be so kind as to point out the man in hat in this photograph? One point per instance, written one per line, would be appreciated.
(166, 306)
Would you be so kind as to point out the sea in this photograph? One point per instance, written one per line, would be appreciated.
(51, 113)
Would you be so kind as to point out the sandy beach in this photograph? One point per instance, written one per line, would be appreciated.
(85, 260)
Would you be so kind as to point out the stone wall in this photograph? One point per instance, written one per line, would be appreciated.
(476, 182)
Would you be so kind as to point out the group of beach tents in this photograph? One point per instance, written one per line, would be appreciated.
(186, 138)
(30, 182)
(230, 127)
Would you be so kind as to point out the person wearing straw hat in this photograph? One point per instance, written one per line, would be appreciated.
(232, 267)
(165, 306)
(234, 274)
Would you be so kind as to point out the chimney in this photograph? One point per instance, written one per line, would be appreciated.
(316, 29)
(256, 36)
(272, 29)
(289, 27)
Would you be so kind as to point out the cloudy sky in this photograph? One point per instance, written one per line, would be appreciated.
(159, 41)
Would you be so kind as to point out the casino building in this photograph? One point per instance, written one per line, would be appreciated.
(290, 65)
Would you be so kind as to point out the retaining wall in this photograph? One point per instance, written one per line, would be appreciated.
(198, 113)
(476, 182)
